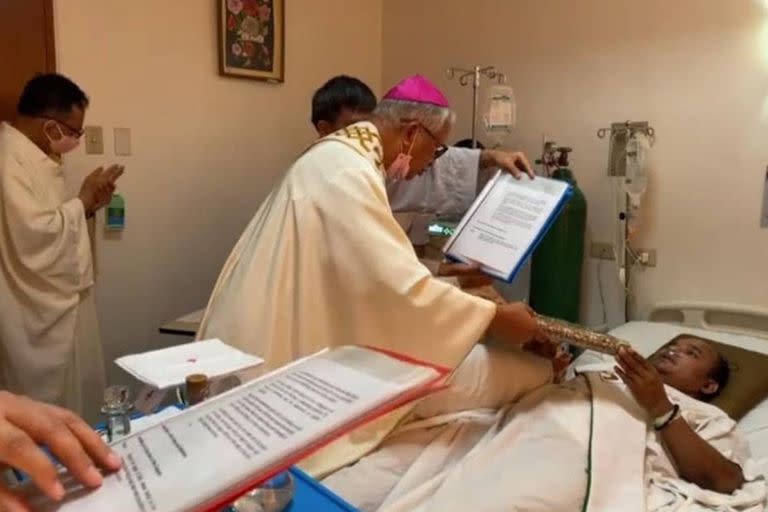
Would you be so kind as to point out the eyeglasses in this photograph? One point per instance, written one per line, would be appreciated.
(440, 148)
(77, 133)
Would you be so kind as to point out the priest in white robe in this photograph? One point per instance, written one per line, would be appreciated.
(49, 338)
(324, 263)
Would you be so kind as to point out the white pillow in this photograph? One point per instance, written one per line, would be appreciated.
(755, 427)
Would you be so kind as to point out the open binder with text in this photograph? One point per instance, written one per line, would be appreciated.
(207, 456)
(506, 222)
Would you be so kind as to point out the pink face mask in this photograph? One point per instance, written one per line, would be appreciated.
(401, 166)
(64, 144)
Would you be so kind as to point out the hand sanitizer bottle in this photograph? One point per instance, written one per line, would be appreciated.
(116, 214)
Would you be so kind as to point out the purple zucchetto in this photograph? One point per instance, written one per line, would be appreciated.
(417, 89)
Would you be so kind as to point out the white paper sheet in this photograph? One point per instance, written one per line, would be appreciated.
(203, 452)
(505, 221)
(169, 367)
(145, 422)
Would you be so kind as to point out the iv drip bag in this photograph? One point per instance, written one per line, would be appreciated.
(636, 178)
(500, 110)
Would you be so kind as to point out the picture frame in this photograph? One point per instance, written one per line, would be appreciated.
(252, 39)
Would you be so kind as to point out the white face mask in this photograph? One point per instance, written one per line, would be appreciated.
(64, 143)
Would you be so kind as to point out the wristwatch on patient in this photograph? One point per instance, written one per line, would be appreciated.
(664, 420)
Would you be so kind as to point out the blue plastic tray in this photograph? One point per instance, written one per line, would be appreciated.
(311, 496)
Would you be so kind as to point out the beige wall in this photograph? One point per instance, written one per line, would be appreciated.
(696, 69)
(206, 149)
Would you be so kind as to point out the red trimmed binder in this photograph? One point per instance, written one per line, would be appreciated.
(208, 455)
(411, 395)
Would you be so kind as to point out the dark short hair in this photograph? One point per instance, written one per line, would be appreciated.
(467, 143)
(50, 92)
(341, 93)
(721, 373)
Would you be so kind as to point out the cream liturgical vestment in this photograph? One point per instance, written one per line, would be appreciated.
(49, 338)
(324, 263)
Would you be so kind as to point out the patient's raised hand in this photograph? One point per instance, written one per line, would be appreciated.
(643, 381)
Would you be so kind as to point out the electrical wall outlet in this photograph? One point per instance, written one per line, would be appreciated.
(602, 251)
(646, 257)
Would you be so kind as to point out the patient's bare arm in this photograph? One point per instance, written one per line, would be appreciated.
(697, 461)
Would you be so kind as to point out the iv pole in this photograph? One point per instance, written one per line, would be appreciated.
(624, 130)
(489, 72)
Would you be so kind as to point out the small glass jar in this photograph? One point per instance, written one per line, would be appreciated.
(117, 409)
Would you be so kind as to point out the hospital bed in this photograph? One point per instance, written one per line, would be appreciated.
(740, 326)
(743, 327)
(746, 328)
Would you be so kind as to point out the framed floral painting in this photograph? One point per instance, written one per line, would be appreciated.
(252, 38)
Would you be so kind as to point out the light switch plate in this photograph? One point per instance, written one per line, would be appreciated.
(123, 141)
(94, 140)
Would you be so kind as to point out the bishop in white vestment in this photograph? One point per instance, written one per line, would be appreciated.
(324, 263)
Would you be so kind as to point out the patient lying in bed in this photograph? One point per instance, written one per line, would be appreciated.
(591, 443)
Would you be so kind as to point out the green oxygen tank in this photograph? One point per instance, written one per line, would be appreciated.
(558, 261)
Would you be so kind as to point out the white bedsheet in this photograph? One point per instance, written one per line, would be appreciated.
(466, 463)
(534, 456)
